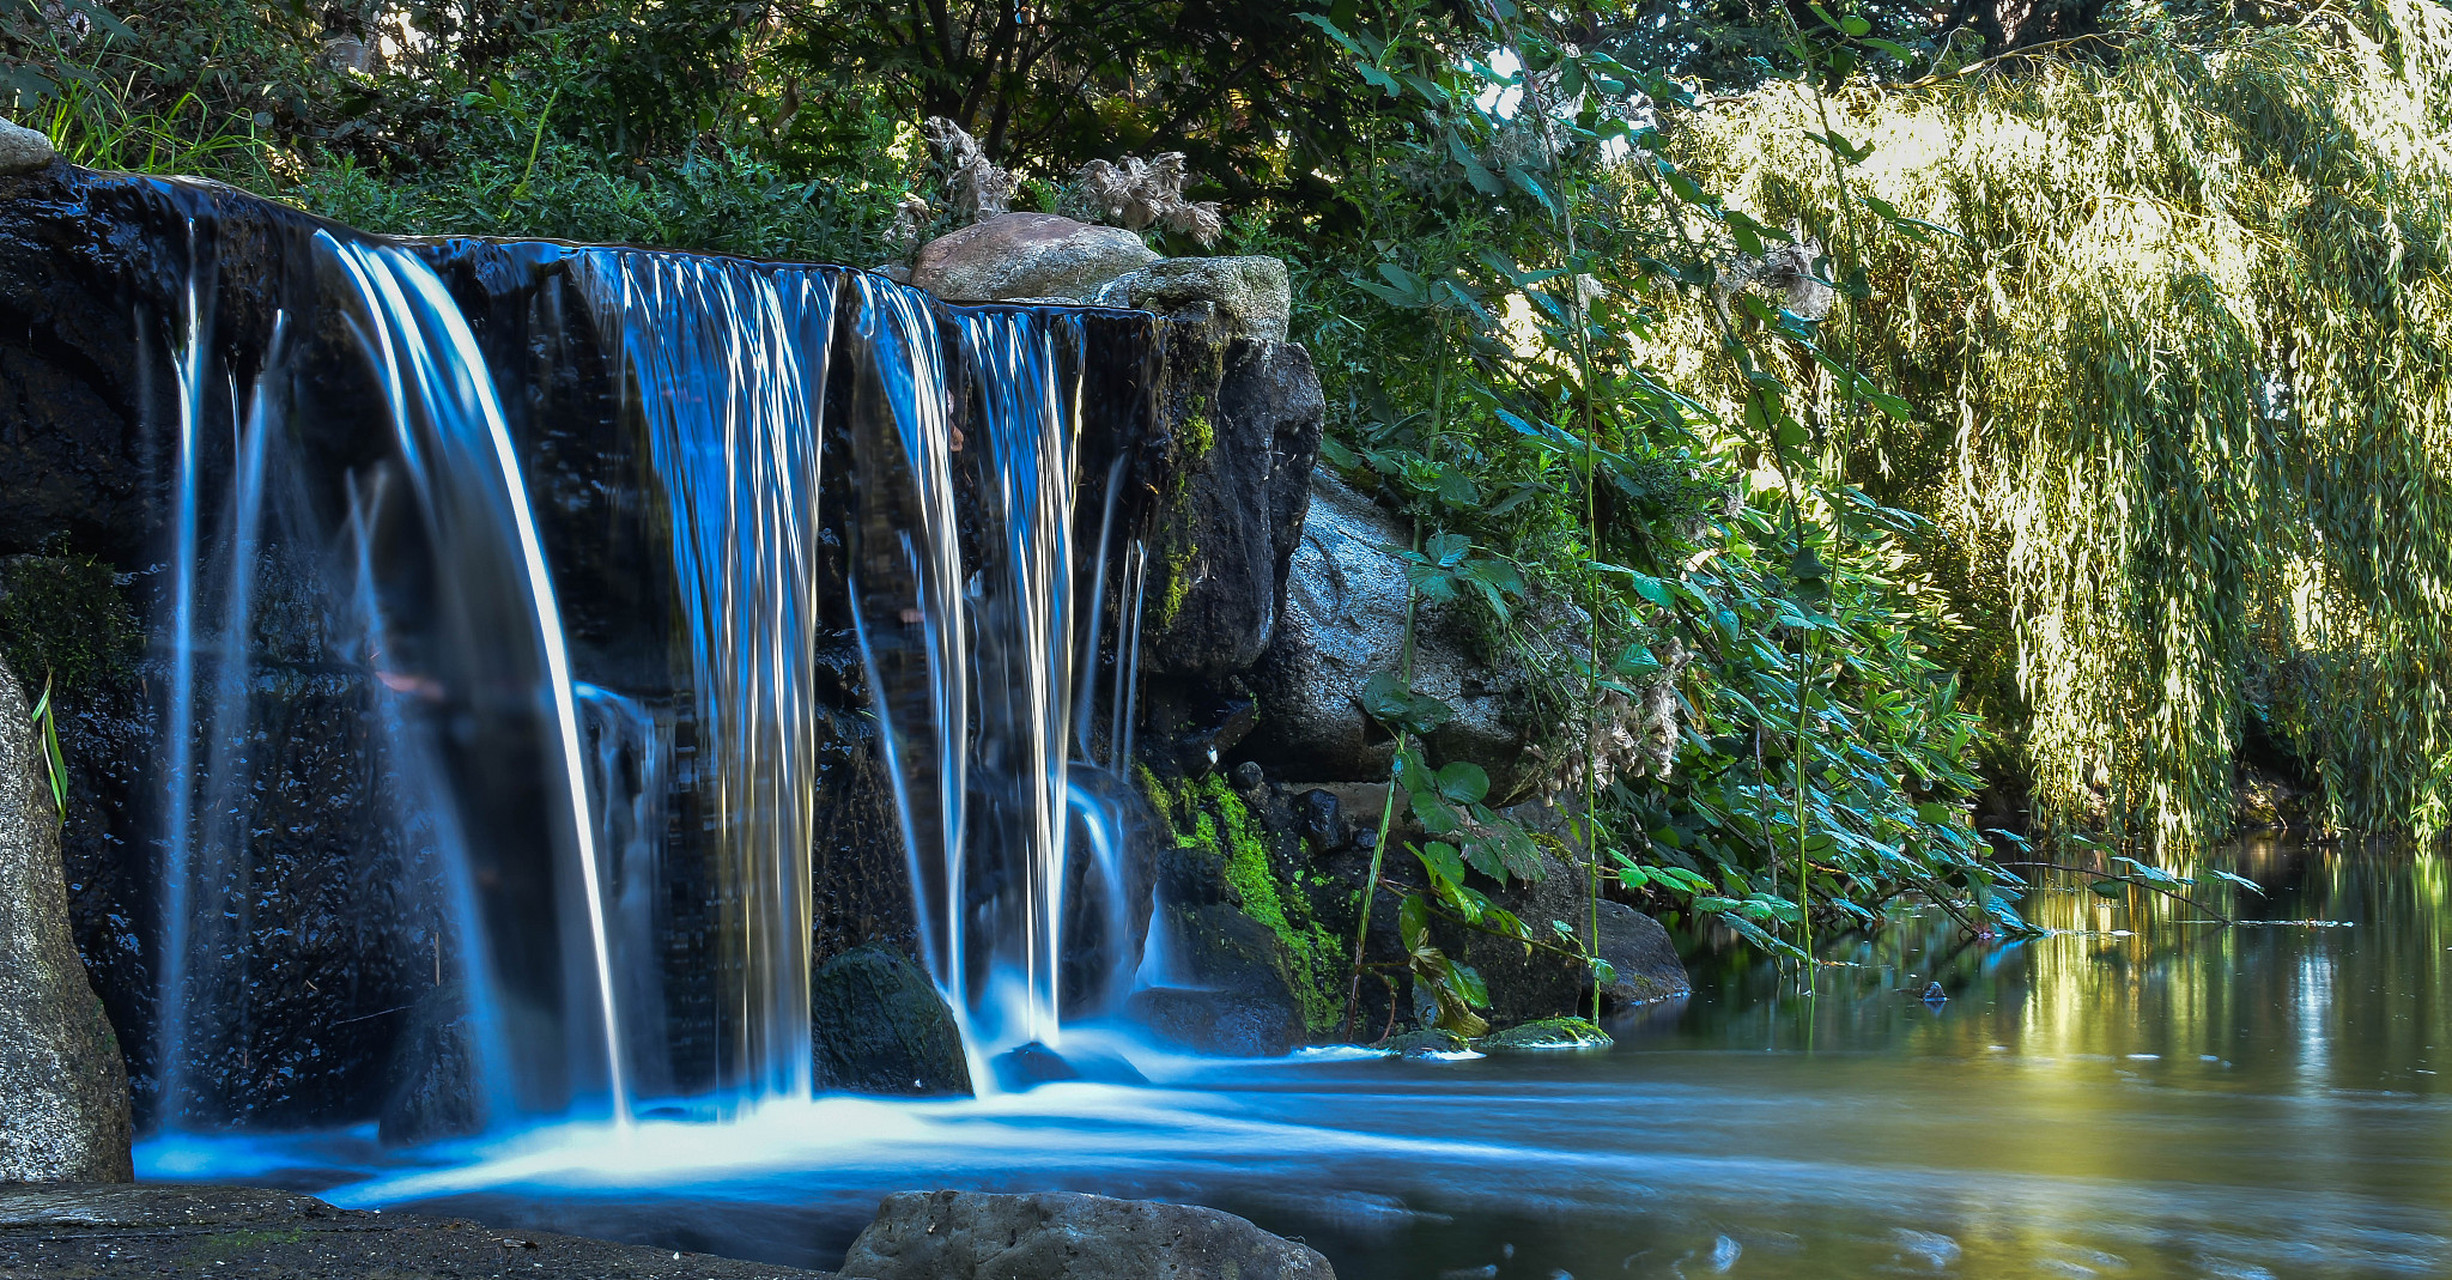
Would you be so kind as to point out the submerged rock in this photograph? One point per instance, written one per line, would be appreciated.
(1026, 255)
(63, 1085)
(968, 1235)
(879, 1026)
(1034, 1064)
(65, 1231)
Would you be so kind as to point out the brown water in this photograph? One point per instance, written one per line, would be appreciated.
(2140, 1094)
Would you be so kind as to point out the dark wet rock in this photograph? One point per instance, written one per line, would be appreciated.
(966, 1235)
(1233, 996)
(1644, 959)
(1545, 1035)
(1321, 818)
(1244, 423)
(438, 1095)
(63, 1085)
(69, 1231)
(1529, 984)
(1234, 1024)
(1344, 622)
(1026, 255)
(880, 1027)
(1249, 297)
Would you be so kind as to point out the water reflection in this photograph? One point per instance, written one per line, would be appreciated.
(2137, 1094)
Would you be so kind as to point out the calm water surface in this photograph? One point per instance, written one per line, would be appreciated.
(2140, 1094)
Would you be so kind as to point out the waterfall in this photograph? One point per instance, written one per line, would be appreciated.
(863, 519)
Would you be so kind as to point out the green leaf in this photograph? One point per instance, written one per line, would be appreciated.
(1464, 782)
(1442, 860)
(1469, 985)
(2239, 880)
(2109, 888)
(1413, 922)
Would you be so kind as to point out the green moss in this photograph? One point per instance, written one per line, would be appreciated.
(1178, 585)
(1311, 954)
(1199, 437)
(65, 619)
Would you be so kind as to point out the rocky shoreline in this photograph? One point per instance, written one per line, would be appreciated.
(56, 1231)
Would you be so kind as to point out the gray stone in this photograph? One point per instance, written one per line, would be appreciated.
(1026, 255)
(879, 1026)
(23, 150)
(1545, 1035)
(1344, 622)
(968, 1235)
(1645, 960)
(69, 1231)
(1230, 994)
(63, 1086)
(1250, 296)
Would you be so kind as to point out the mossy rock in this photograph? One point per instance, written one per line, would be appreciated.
(1426, 1042)
(1546, 1035)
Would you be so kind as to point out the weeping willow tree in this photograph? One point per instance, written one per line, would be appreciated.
(2179, 342)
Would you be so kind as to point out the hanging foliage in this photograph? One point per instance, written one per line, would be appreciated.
(2177, 330)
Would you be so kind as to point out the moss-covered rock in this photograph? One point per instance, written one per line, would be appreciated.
(1428, 1042)
(878, 1026)
(1221, 861)
(1546, 1034)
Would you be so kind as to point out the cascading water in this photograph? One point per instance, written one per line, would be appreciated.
(862, 517)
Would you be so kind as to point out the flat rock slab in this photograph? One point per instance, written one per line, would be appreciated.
(970, 1235)
(56, 1231)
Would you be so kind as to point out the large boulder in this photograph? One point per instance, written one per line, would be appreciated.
(1250, 297)
(1026, 255)
(968, 1235)
(63, 1086)
(1344, 623)
(879, 1026)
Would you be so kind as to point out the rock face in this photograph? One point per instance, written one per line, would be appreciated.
(1344, 622)
(1245, 446)
(63, 1086)
(1251, 296)
(73, 1231)
(337, 901)
(1026, 255)
(962, 1235)
(21, 149)
(879, 1026)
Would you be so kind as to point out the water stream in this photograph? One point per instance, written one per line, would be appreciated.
(2137, 1095)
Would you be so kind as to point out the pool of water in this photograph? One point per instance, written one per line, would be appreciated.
(2141, 1093)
